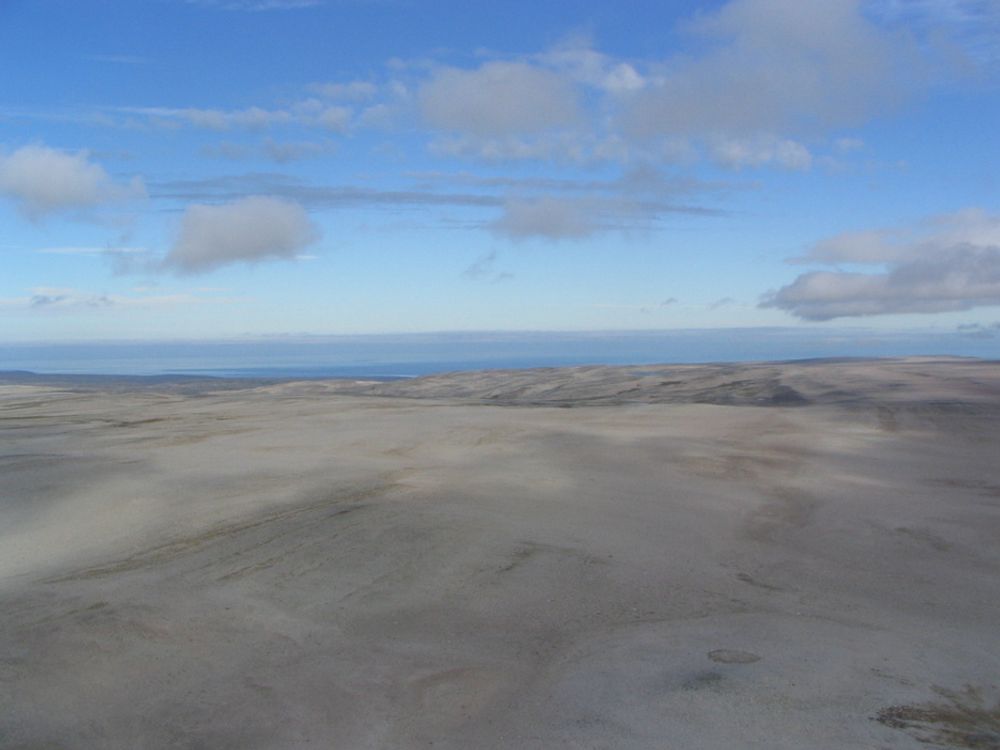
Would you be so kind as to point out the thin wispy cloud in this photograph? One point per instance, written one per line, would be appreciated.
(484, 268)
(251, 118)
(68, 300)
(527, 209)
(230, 187)
(278, 152)
(638, 180)
(91, 250)
(980, 330)
(563, 218)
(969, 27)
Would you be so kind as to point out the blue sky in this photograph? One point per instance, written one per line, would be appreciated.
(218, 168)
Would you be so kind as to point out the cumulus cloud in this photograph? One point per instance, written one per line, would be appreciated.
(248, 230)
(773, 66)
(549, 218)
(948, 263)
(42, 181)
(336, 118)
(971, 226)
(761, 83)
(762, 79)
(498, 99)
(577, 59)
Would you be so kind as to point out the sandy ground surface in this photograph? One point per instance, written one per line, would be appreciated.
(771, 556)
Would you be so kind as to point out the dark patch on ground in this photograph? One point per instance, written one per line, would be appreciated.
(166, 552)
(702, 681)
(747, 578)
(732, 656)
(963, 719)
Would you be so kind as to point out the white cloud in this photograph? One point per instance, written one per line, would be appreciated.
(285, 152)
(498, 99)
(560, 147)
(773, 66)
(847, 145)
(762, 83)
(247, 230)
(553, 209)
(948, 263)
(966, 31)
(972, 226)
(869, 246)
(549, 218)
(737, 153)
(43, 181)
(280, 152)
(336, 119)
(306, 112)
(252, 118)
(765, 77)
(759, 84)
(579, 61)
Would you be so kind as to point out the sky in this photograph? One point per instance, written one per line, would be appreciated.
(226, 168)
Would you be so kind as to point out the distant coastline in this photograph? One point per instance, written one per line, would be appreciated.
(412, 355)
(789, 383)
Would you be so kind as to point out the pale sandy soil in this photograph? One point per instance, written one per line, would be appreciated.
(771, 556)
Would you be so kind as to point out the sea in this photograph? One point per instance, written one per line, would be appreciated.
(413, 355)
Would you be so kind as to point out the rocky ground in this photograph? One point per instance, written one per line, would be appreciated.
(779, 555)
